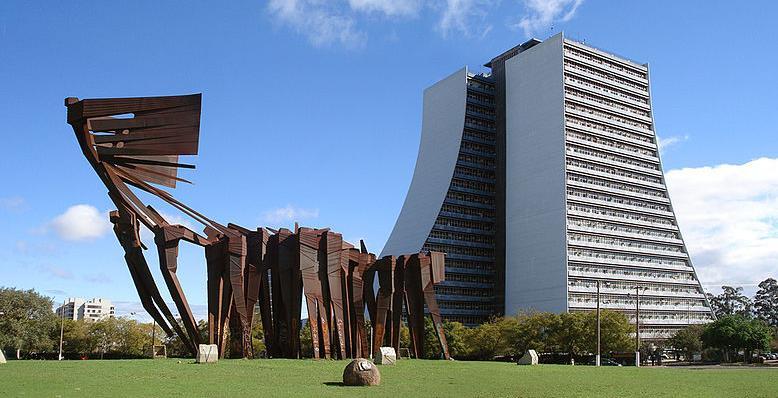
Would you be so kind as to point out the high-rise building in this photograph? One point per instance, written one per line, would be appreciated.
(93, 310)
(541, 180)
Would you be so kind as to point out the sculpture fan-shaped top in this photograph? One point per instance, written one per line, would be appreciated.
(137, 142)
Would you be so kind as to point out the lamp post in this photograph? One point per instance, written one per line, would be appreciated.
(597, 358)
(61, 329)
(637, 326)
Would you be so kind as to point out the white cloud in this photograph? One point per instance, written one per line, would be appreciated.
(388, 7)
(57, 272)
(464, 16)
(543, 13)
(322, 22)
(287, 214)
(664, 143)
(81, 222)
(12, 203)
(728, 215)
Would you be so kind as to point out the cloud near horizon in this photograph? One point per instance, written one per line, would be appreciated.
(728, 215)
(288, 213)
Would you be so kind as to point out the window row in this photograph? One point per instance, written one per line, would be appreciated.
(630, 300)
(466, 264)
(606, 226)
(607, 115)
(478, 135)
(479, 84)
(487, 99)
(463, 291)
(584, 179)
(466, 305)
(605, 62)
(625, 285)
(613, 158)
(606, 102)
(635, 258)
(649, 316)
(614, 171)
(469, 278)
(594, 210)
(480, 173)
(484, 124)
(476, 185)
(469, 211)
(609, 77)
(476, 238)
(470, 197)
(575, 193)
(469, 224)
(594, 85)
(478, 147)
(466, 251)
(480, 109)
(611, 143)
(480, 160)
(607, 240)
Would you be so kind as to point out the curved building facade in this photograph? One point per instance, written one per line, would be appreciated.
(542, 182)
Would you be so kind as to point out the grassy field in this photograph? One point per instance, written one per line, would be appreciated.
(263, 378)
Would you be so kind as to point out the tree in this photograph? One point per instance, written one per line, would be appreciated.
(688, 340)
(766, 302)
(731, 301)
(27, 321)
(731, 333)
(615, 331)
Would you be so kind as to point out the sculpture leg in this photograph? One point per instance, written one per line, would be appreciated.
(383, 303)
(313, 320)
(432, 305)
(415, 305)
(168, 264)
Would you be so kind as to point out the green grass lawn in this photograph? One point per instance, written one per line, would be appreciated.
(263, 378)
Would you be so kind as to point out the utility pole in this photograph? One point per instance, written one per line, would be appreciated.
(61, 328)
(637, 326)
(597, 358)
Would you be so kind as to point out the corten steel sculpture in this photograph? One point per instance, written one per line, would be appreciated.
(265, 268)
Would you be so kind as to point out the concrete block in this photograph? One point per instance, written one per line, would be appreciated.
(385, 356)
(207, 353)
(529, 358)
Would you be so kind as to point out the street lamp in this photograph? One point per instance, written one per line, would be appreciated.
(61, 328)
(597, 358)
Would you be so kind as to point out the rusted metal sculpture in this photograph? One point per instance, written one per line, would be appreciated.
(134, 143)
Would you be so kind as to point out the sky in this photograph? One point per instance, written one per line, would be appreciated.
(312, 113)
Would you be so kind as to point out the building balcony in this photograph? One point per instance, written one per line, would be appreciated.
(622, 220)
(461, 243)
(605, 107)
(615, 177)
(469, 271)
(613, 149)
(613, 162)
(627, 137)
(603, 91)
(658, 200)
(626, 249)
(623, 234)
(630, 277)
(605, 81)
(463, 298)
(605, 289)
(604, 67)
(620, 206)
(592, 304)
(452, 228)
(606, 260)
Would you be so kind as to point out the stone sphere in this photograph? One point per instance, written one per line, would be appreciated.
(361, 372)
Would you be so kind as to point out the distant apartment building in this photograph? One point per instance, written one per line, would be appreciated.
(93, 310)
(542, 180)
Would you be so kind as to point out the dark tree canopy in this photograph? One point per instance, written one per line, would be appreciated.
(732, 333)
(766, 302)
(27, 320)
(731, 301)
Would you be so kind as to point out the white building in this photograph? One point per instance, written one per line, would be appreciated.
(93, 310)
(541, 180)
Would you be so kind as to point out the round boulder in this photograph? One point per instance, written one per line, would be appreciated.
(361, 372)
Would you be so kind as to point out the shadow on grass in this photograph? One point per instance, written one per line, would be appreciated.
(334, 384)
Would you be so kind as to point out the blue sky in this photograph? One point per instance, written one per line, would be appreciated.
(311, 112)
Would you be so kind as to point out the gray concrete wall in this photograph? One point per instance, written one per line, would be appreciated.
(536, 242)
(441, 134)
